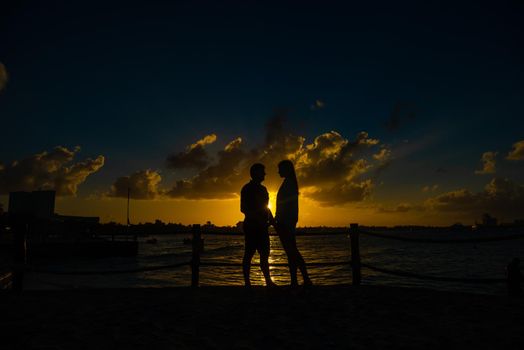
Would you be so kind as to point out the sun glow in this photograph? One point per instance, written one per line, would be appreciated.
(272, 198)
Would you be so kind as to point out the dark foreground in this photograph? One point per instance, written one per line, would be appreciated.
(346, 317)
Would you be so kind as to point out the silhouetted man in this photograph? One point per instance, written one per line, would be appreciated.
(254, 199)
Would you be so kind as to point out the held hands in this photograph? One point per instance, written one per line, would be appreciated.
(271, 219)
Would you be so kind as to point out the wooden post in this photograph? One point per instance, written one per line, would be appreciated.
(195, 260)
(355, 254)
(19, 253)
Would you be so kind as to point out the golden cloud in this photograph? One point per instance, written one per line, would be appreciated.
(500, 197)
(341, 193)
(517, 153)
(400, 208)
(142, 184)
(383, 155)
(331, 170)
(206, 140)
(194, 157)
(48, 171)
(488, 163)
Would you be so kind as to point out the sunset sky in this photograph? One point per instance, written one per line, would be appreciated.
(392, 114)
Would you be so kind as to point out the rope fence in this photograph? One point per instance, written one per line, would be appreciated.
(355, 261)
(318, 264)
(172, 266)
(408, 274)
(433, 278)
(445, 241)
(110, 272)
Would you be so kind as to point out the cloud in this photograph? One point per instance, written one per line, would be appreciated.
(332, 160)
(48, 171)
(331, 170)
(488, 163)
(341, 193)
(4, 77)
(500, 197)
(430, 188)
(517, 153)
(218, 181)
(143, 184)
(207, 140)
(224, 178)
(194, 157)
(383, 155)
(400, 208)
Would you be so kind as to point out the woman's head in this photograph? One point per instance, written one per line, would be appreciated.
(286, 169)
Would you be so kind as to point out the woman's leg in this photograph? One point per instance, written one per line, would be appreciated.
(291, 259)
(287, 239)
(298, 259)
(302, 267)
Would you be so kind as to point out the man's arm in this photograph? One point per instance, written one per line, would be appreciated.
(246, 203)
(243, 208)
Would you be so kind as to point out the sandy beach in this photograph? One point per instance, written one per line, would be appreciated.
(365, 317)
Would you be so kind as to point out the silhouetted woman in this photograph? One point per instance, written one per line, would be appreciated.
(286, 219)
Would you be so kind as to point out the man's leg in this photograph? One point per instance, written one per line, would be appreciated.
(264, 266)
(246, 264)
(263, 250)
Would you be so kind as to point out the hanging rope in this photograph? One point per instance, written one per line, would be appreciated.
(109, 272)
(433, 278)
(432, 240)
(318, 264)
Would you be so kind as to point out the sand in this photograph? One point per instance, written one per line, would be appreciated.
(328, 317)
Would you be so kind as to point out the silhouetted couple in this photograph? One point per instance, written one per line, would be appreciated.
(254, 201)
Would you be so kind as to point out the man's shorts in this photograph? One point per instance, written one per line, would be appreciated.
(256, 237)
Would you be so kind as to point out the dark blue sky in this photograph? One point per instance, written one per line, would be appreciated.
(135, 81)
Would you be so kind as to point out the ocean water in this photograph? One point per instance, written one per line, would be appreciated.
(481, 260)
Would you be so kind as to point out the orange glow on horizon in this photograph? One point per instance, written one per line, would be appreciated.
(227, 212)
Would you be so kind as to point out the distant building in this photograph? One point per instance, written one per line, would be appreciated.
(39, 204)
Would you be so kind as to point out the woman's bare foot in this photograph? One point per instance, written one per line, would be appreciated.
(271, 284)
(307, 283)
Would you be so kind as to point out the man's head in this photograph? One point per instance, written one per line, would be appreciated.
(257, 172)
